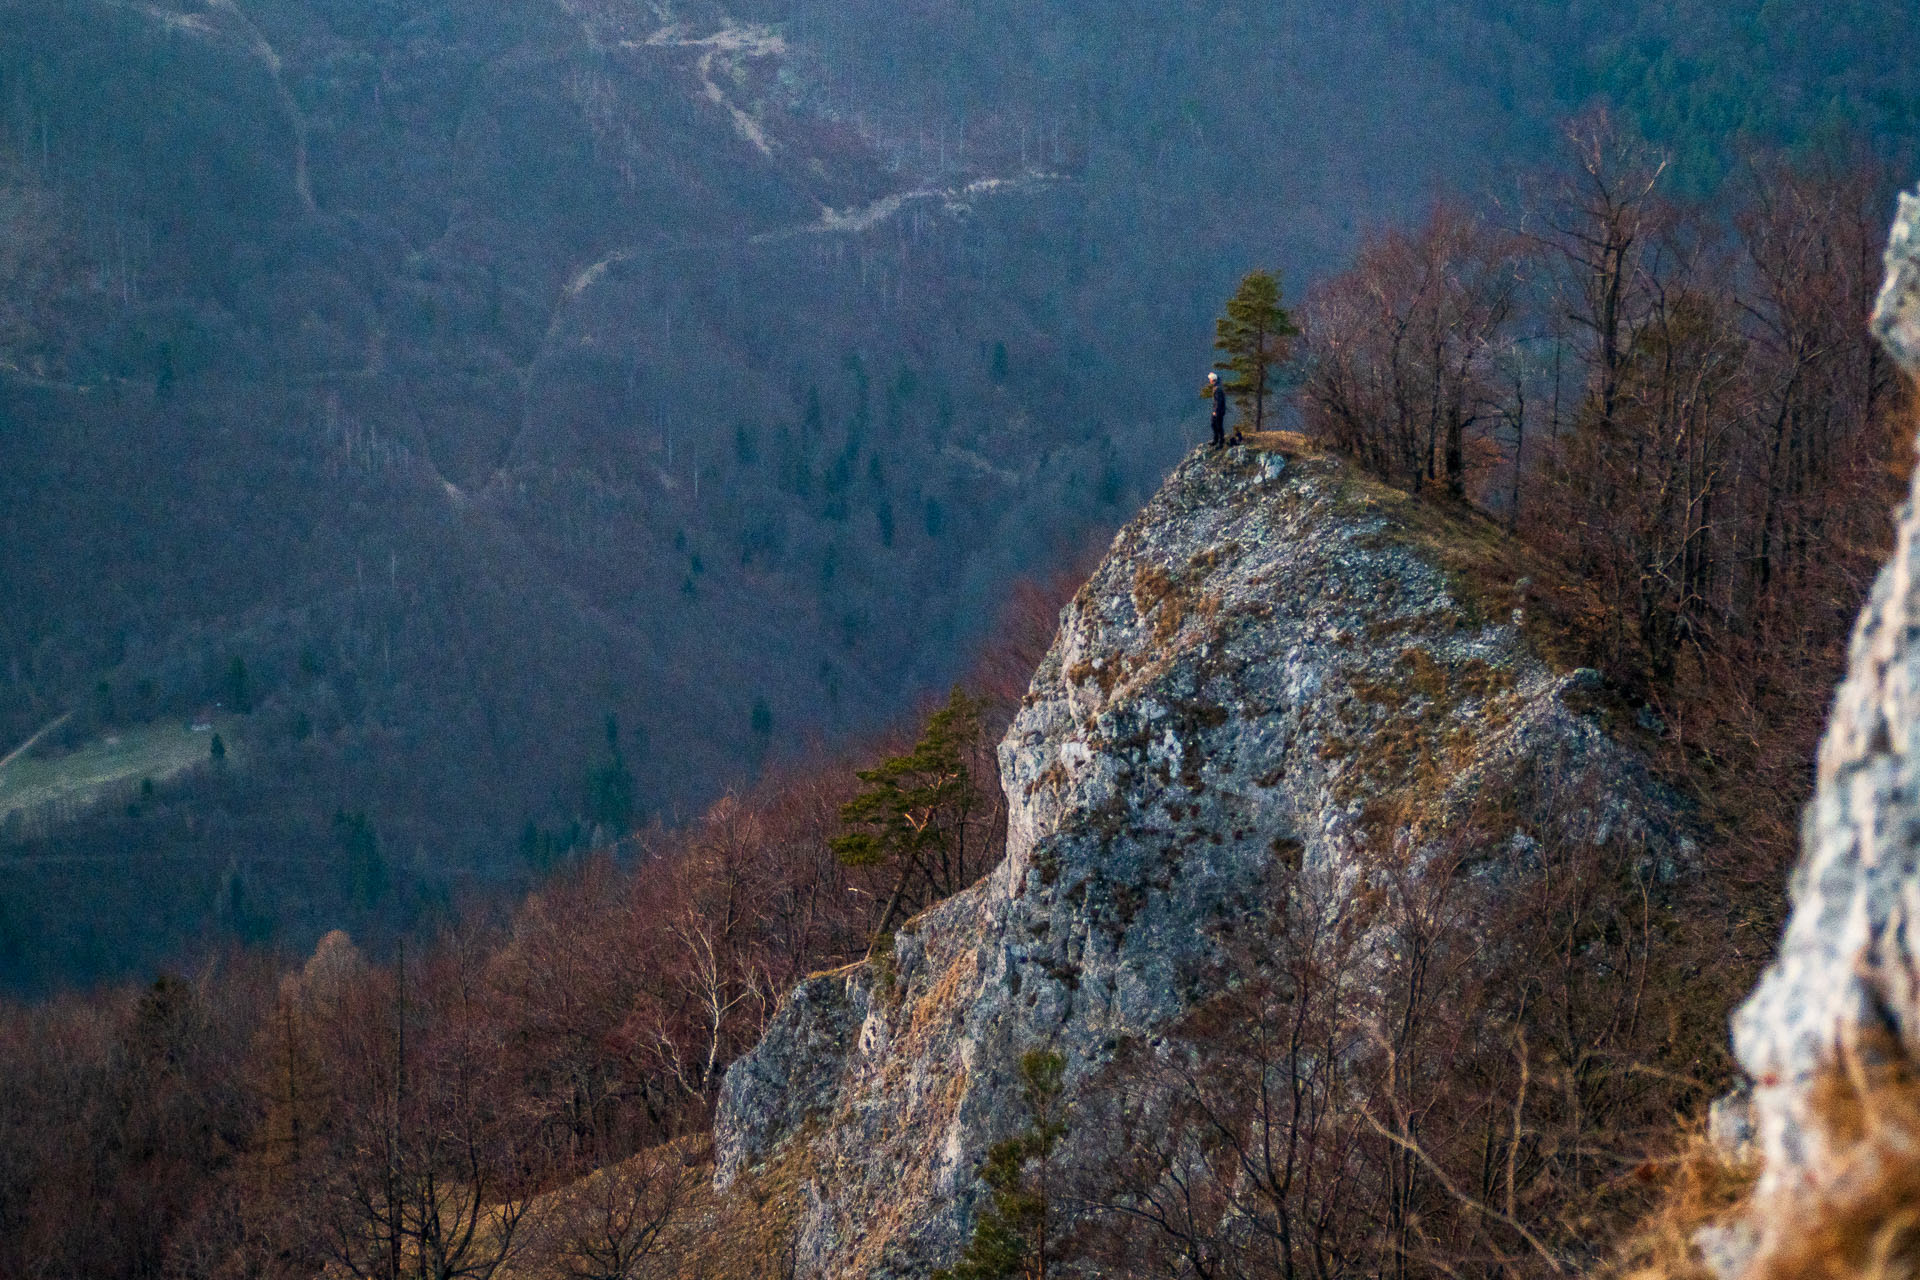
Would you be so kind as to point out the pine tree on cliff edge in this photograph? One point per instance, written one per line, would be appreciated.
(1252, 337)
(918, 815)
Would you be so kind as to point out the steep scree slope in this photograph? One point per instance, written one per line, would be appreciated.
(1270, 667)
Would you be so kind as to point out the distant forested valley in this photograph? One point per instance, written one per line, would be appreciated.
(436, 438)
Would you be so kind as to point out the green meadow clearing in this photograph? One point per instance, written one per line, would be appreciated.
(76, 780)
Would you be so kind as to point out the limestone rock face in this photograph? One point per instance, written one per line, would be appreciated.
(1264, 652)
(1848, 973)
(1896, 315)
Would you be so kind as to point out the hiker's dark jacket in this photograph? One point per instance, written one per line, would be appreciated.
(1219, 402)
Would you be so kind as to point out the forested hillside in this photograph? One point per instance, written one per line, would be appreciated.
(520, 420)
(1416, 787)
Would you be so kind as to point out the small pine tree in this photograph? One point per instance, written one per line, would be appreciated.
(613, 799)
(1015, 1236)
(365, 870)
(218, 750)
(239, 686)
(166, 1023)
(1252, 337)
(918, 812)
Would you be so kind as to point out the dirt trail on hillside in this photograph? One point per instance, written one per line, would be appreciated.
(27, 746)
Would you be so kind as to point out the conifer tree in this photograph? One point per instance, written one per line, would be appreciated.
(613, 801)
(365, 870)
(1252, 337)
(1015, 1236)
(917, 813)
(239, 686)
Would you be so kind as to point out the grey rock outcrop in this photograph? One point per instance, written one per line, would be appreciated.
(1848, 974)
(1896, 313)
(1268, 649)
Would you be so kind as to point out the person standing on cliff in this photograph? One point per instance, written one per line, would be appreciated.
(1219, 392)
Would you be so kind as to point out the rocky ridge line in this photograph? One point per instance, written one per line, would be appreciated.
(1270, 653)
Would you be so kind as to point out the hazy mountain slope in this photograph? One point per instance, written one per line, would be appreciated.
(472, 371)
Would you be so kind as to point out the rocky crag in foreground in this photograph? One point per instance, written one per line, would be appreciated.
(1270, 675)
(1831, 1037)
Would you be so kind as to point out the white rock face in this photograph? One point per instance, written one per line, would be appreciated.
(1896, 314)
(1218, 699)
(1849, 965)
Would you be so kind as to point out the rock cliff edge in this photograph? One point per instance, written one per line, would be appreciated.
(1844, 994)
(1273, 669)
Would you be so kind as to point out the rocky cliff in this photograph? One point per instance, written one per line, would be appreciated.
(1832, 1034)
(1278, 670)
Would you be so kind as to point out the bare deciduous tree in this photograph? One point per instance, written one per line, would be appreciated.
(631, 1221)
(1404, 349)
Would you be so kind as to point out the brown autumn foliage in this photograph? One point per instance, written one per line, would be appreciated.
(1679, 417)
(1693, 441)
(398, 1119)
(1408, 349)
(1452, 1065)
